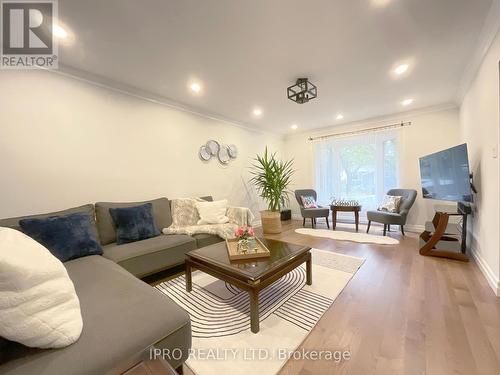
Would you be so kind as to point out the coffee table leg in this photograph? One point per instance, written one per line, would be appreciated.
(254, 310)
(309, 270)
(356, 217)
(334, 219)
(189, 283)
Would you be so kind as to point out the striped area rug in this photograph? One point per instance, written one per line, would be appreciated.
(214, 316)
(289, 310)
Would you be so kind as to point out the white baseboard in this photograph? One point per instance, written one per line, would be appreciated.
(490, 277)
(414, 228)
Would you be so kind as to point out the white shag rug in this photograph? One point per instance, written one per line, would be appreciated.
(348, 236)
(289, 310)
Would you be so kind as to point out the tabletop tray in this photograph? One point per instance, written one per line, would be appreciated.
(232, 250)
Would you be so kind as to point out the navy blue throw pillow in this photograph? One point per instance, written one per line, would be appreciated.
(134, 223)
(66, 237)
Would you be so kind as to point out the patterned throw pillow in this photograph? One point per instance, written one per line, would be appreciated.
(391, 203)
(184, 212)
(308, 201)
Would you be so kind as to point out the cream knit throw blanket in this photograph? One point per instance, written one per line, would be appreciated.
(185, 218)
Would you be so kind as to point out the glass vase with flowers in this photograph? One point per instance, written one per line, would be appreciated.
(246, 239)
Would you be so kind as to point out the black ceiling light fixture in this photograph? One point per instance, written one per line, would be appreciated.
(302, 91)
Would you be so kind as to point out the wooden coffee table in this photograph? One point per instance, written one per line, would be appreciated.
(249, 275)
(336, 209)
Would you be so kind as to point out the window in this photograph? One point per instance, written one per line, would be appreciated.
(361, 168)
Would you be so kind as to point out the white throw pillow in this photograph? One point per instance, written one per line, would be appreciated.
(38, 303)
(212, 212)
(391, 203)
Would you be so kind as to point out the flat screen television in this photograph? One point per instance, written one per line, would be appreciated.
(445, 175)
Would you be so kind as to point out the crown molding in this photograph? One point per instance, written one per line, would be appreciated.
(124, 89)
(487, 36)
(379, 120)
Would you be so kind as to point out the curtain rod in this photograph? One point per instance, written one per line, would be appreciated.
(362, 131)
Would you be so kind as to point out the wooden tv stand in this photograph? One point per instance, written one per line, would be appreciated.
(440, 223)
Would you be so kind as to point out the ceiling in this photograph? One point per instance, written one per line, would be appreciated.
(245, 53)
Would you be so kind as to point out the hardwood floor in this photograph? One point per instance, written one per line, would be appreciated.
(403, 313)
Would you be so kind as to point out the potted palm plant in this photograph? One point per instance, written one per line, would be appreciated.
(271, 178)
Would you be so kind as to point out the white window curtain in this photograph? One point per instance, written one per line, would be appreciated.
(361, 167)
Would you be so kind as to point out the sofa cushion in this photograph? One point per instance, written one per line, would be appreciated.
(86, 209)
(106, 227)
(134, 223)
(204, 239)
(66, 237)
(122, 317)
(146, 257)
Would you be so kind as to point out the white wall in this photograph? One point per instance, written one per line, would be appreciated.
(64, 142)
(479, 118)
(432, 130)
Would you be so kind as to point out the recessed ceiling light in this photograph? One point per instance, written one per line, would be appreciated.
(380, 3)
(257, 112)
(294, 126)
(400, 69)
(407, 102)
(59, 32)
(195, 87)
(340, 116)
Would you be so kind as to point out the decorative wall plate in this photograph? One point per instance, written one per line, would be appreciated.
(213, 147)
(223, 155)
(222, 152)
(204, 153)
(233, 151)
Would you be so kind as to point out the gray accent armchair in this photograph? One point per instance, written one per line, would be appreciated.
(399, 218)
(311, 213)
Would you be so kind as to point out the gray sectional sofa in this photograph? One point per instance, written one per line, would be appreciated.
(123, 317)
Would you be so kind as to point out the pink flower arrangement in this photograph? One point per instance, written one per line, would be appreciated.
(244, 232)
